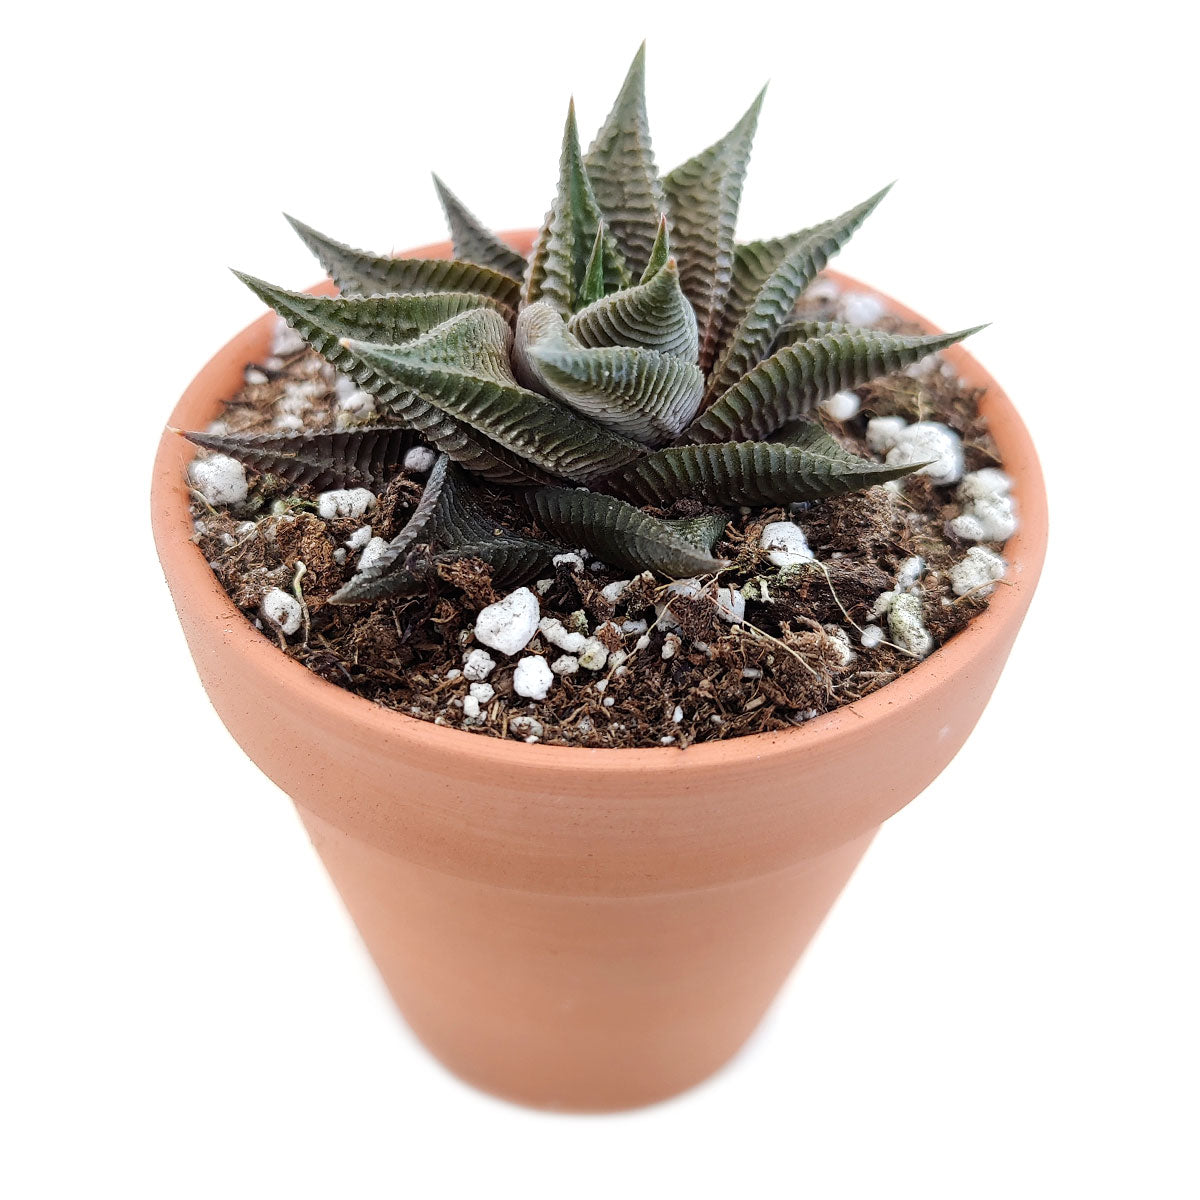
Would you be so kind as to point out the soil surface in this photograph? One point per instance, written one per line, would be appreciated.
(672, 677)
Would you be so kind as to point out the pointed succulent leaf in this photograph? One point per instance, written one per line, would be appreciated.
(659, 252)
(473, 241)
(558, 265)
(620, 165)
(753, 473)
(755, 262)
(359, 273)
(593, 278)
(548, 434)
(345, 458)
(451, 524)
(703, 195)
(325, 322)
(638, 392)
(795, 378)
(754, 334)
(655, 314)
(619, 533)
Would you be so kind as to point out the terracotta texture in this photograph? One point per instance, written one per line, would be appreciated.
(570, 928)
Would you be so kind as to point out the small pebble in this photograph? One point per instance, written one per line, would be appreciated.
(533, 678)
(344, 502)
(219, 479)
(282, 611)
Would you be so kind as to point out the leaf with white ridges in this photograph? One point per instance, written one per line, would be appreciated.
(359, 273)
(754, 334)
(346, 458)
(620, 534)
(558, 265)
(753, 473)
(546, 433)
(473, 241)
(620, 165)
(795, 378)
(655, 314)
(447, 516)
(703, 195)
(638, 392)
(325, 322)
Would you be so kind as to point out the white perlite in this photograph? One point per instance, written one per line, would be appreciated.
(594, 655)
(870, 637)
(482, 692)
(281, 611)
(861, 308)
(613, 592)
(730, 604)
(932, 442)
(841, 406)
(478, 664)
(509, 624)
(557, 634)
(570, 559)
(839, 639)
(785, 544)
(882, 432)
(906, 621)
(911, 569)
(977, 572)
(470, 707)
(344, 502)
(419, 459)
(219, 479)
(373, 553)
(988, 513)
(565, 664)
(359, 538)
(533, 678)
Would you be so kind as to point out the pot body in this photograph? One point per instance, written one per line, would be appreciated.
(583, 929)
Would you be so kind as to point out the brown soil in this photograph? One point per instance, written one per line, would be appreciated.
(777, 669)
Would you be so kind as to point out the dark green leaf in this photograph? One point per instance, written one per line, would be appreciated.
(345, 458)
(620, 165)
(753, 473)
(558, 265)
(621, 534)
(473, 241)
(358, 273)
(795, 378)
(751, 339)
(703, 195)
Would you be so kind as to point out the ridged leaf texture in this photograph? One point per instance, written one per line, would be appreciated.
(637, 392)
(752, 473)
(449, 523)
(326, 322)
(623, 535)
(654, 314)
(753, 336)
(473, 241)
(486, 396)
(345, 458)
(620, 165)
(703, 196)
(360, 273)
(558, 265)
(795, 378)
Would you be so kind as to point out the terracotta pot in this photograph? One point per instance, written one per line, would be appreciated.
(583, 929)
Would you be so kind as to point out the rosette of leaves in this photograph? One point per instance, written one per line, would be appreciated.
(640, 356)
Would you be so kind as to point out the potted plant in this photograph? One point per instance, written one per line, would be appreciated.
(575, 724)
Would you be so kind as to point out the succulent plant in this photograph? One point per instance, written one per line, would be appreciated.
(639, 357)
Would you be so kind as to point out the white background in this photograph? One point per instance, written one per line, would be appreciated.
(1004, 1001)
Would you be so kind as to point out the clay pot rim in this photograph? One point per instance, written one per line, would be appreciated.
(332, 705)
